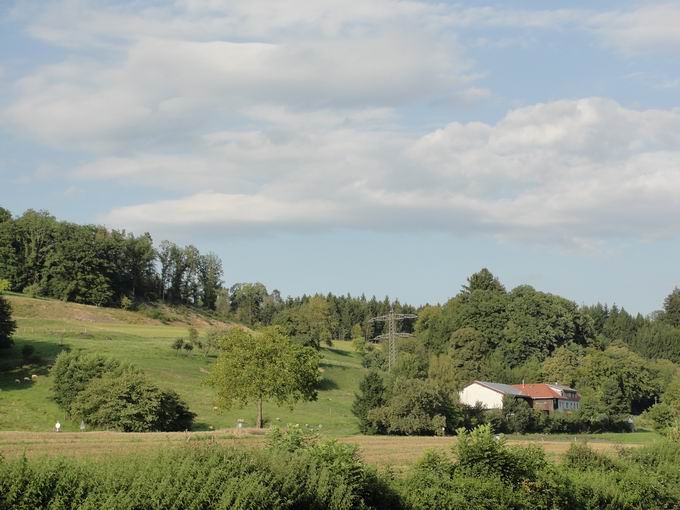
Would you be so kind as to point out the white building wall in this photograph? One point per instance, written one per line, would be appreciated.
(475, 392)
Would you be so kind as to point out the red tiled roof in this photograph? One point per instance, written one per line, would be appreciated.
(538, 390)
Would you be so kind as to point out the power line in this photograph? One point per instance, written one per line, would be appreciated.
(391, 336)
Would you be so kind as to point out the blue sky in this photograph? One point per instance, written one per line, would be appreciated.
(380, 147)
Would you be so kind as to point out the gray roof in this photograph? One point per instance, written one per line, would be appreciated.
(561, 387)
(505, 389)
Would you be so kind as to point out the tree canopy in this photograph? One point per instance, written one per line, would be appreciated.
(261, 367)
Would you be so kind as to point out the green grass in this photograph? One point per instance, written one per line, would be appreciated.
(133, 338)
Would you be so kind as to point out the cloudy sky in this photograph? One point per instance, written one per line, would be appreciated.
(386, 147)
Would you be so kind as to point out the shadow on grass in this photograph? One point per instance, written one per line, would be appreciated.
(331, 365)
(327, 384)
(339, 352)
(17, 371)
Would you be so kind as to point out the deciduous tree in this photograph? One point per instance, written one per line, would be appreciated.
(262, 367)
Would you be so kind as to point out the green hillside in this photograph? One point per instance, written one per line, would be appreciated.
(51, 326)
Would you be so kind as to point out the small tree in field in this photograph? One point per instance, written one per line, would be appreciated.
(178, 344)
(266, 366)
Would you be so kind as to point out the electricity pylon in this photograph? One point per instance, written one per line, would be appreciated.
(392, 335)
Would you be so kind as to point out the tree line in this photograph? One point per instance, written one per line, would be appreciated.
(91, 264)
(312, 319)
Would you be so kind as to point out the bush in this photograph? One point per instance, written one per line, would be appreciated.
(647, 478)
(416, 407)
(291, 439)
(130, 403)
(199, 477)
(34, 290)
(375, 359)
(178, 344)
(330, 475)
(73, 371)
(127, 303)
(481, 453)
(661, 415)
(7, 324)
(153, 312)
(487, 475)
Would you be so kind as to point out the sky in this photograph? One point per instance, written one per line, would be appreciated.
(383, 147)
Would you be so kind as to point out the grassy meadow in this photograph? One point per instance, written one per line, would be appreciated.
(52, 326)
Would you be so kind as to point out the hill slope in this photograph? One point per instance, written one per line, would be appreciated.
(51, 326)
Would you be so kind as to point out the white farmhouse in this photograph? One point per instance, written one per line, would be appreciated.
(489, 394)
(547, 398)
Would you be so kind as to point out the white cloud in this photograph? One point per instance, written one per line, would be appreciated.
(262, 114)
(165, 74)
(650, 27)
(568, 171)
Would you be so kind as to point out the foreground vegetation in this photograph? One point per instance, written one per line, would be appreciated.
(296, 470)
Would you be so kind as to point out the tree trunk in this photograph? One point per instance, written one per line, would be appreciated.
(258, 423)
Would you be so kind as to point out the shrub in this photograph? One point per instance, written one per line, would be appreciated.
(34, 290)
(200, 477)
(7, 324)
(127, 303)
(130, 403)
(178, 344)
(413, 409)
(374, 358)
(73, 371)
(661, 415)
(153, 312)
(582, 457)
(518, 416)
(436, 482)
(291, 439)
(481, 453)
(672, 433)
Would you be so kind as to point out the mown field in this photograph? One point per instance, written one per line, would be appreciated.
(27, 413)
(396, 452)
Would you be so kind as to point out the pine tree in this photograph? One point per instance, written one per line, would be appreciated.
(483, 280)
(7, 325)
(671, 308)
(371, 396)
